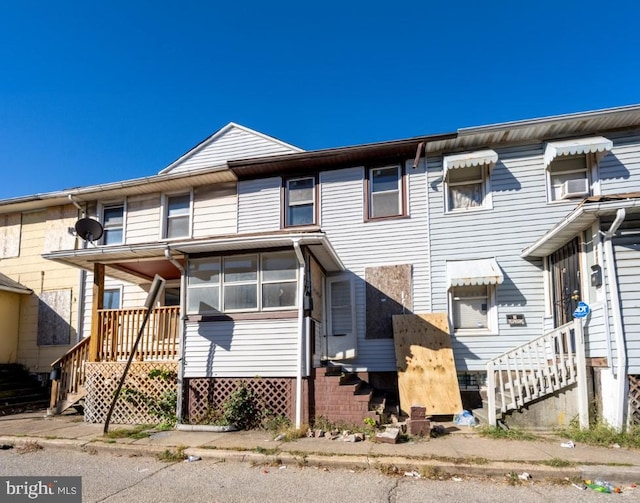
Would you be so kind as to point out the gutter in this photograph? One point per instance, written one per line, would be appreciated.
(621, 352)
(183, 297)
(301, 263)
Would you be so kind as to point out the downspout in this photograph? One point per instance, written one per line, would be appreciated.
(300, 257)
(621, 352)
(183, 296)
(81, 282)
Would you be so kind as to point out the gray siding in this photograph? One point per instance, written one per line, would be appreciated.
(265, 348)
(620, 170)
(519, 216)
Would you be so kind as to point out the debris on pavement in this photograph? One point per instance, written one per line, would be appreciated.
(389, 436)
(191, 459)
(524, 476)
(412, 474)
(568, 445)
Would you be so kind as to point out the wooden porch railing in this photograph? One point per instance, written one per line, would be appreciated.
(118, 329)
(539, 368)
(69, 374)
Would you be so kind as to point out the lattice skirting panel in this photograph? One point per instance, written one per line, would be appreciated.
(634, 399)
(138, 390)
(210, 393)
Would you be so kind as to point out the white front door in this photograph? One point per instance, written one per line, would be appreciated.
(341, 324)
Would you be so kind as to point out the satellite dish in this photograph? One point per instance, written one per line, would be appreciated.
(89, 229)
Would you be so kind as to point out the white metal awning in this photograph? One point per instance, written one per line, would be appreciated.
(593, 145)
(483, 271)
(469, 160)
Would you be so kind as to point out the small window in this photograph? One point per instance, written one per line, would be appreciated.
(473, 309)
(178, 216)
(385, 192)
(466, 188)
(111, 299)
(300, 201)
(568, 178)
(279, 280)
(113, 224)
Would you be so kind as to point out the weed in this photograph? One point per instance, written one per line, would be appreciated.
(512, 479)
(557, 463)
(602, 434)
(138, 431)
(29, 447)
(510, 434)
(386, 469)
(267, 452)
(430, 472)
(169, 456)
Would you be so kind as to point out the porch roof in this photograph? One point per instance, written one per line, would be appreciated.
(584, 215)
(138, 263)
(12, 286)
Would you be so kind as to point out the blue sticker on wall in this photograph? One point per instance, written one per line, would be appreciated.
(582, 311)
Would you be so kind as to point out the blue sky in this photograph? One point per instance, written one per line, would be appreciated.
(93, 92)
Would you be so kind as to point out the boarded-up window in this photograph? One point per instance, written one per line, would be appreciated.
(10, 235)
(388, 293)
(54, 318)
(60, 220)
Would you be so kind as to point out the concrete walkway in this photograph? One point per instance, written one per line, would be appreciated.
(462, 451)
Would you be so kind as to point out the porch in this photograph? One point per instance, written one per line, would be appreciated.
(112, 341)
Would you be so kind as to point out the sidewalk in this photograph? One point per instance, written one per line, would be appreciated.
(460, 452)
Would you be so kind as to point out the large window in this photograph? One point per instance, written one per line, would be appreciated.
(467, 188)
(473, 308)
(385, 192)
(113, 224)
(300, 201)
(177, 216)
(255, 282)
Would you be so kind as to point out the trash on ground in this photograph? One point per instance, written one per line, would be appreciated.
(616, 446)
(465, 418)
(279, 437)
(456, 479)
(140, 470)
(437, 430)
(283, 467)
(412, 474)
(602, 486)
(5, 447)
(568, 445)
(191, 459)
(582, 487)
(524, 476)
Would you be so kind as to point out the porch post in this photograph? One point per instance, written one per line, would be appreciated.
(96, 305)
(581, 375)
(491, 394)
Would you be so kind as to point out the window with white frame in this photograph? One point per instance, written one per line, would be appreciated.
(467, 188)
(111, 298)
(385, 192)
(568, 177)
(252, 282)
(473, 308)
(113, 224)
(300, 201)
(177, 216)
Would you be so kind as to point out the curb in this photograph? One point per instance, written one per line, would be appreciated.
(386, 464)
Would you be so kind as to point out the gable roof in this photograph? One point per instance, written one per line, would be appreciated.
(231, 142)
(9, 285)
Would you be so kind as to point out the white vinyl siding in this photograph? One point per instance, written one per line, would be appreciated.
(259, 207)
(235, 143)
(362, 244)
(265, 348)
(214, 211)
(143, 218)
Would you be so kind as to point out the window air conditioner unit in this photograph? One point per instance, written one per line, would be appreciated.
(574, 188)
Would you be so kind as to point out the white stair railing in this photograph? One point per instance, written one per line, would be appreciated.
(538, 368)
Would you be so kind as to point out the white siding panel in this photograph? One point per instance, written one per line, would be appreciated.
(265, 348)
(143, 219)
(361, 244)
(620, 169)
(234, 144)
(214, 211)
(259, 205)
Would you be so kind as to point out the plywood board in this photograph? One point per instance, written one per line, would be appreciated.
(388, 292)
(426, 369)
